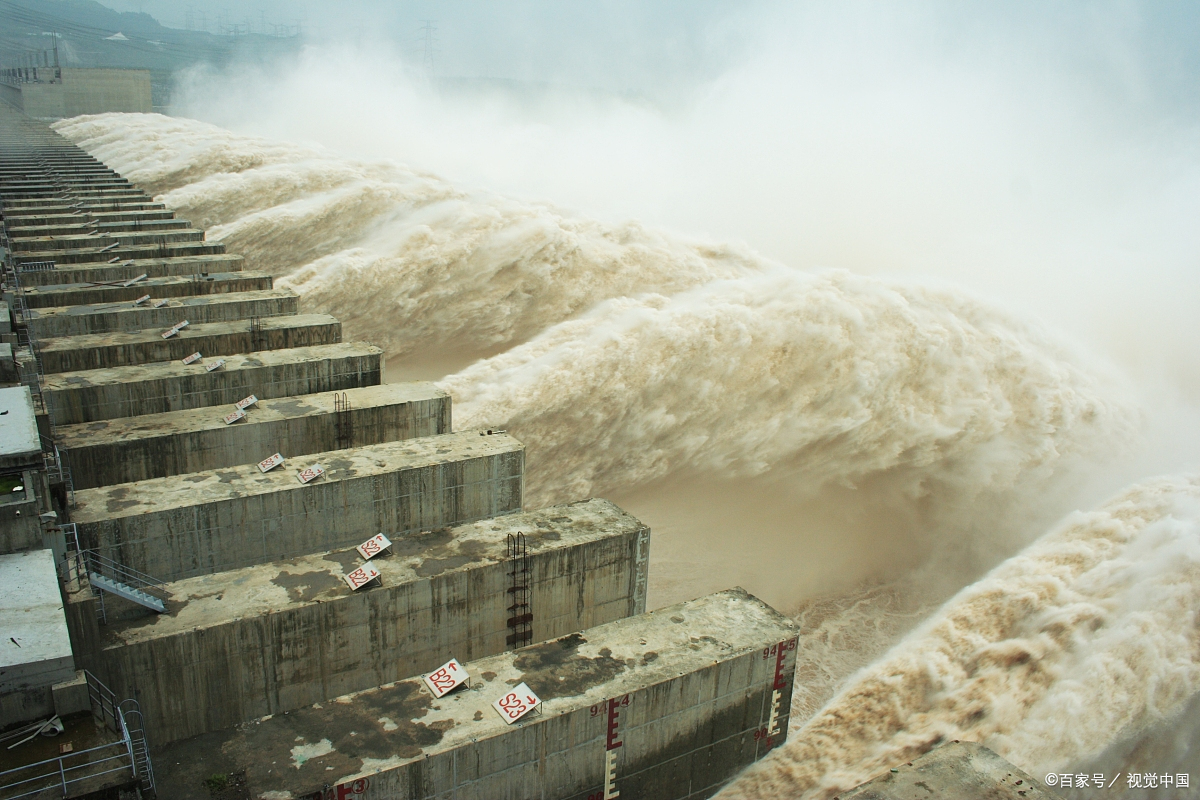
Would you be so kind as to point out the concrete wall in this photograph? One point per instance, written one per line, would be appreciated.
(287, 635)
(156, 445)
(83, 294)
(88, 91)
(46, 323)
(206, 522)
(212, 340)
(173, 386)
(123, 271)
(692, 687)
(98, 255)
(19, 526)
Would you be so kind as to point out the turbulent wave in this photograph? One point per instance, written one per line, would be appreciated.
(630, 352)
(829, 377)
(404, 258)
(626, 358)
(1085, 639)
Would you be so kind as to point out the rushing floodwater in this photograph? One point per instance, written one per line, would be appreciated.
(851, 449)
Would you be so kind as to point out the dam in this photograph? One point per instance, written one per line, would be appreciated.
(228, 547)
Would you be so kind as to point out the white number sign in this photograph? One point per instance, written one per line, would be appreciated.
(445, 678)
(234, 417)
(311, 473)
(242, 405)
(215, 365)
(193, 358)
(141, 300)
(132, 281)
(182, 325)
(170, 332)
(517, 703)
(159, 303)
(373, 546)
(268, 464)
(362, 576)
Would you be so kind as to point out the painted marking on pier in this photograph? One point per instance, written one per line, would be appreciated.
(373, 546)
(311, 473)
(610, 775)
(446, 678)
(268, 464)
(362, 576)
(517, 703)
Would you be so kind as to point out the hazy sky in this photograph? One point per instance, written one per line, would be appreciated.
(1044, 154)
(638, 45)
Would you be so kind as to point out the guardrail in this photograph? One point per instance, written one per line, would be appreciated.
(70, 771)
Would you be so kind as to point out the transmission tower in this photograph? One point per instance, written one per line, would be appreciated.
(429, 37)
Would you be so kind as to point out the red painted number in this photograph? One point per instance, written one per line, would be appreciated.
(342, 791)
(442, 678)
(513, 705)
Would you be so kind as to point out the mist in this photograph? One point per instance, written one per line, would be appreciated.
(849, 304)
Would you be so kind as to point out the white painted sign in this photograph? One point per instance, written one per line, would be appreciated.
(159, 303)
(132, 281)
(141, 300)
(517, 703)
(234, 417)
(311, 473)
(446, 678)
(362, 576)
(220, 362)
(268, 464)
(373, 546)
(170, 332)
(193, 358)
(242, 405)
(180, 326)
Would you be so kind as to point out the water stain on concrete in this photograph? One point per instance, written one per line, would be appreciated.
(556, 669)
(470, 552)
(306, 586)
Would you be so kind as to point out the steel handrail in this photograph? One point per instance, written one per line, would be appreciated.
(127, 575)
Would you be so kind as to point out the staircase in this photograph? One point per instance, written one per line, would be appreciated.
(115, 578)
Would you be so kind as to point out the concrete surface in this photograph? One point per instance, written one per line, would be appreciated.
(268, 639)
(35, 652)
(156, 445)
(130, 268)
(206, 522)
(690, 688)
(79, 294)
(174, 386)
(20, 445)
(210, 339)
(46, 323)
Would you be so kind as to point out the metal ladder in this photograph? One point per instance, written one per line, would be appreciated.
(343, 421)
(259, 336)
(520, 615)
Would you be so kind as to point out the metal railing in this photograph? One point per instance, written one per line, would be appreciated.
(115, 570)
(29, 372)
(70, 771)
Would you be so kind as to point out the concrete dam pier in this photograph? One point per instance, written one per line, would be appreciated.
(234, 562)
